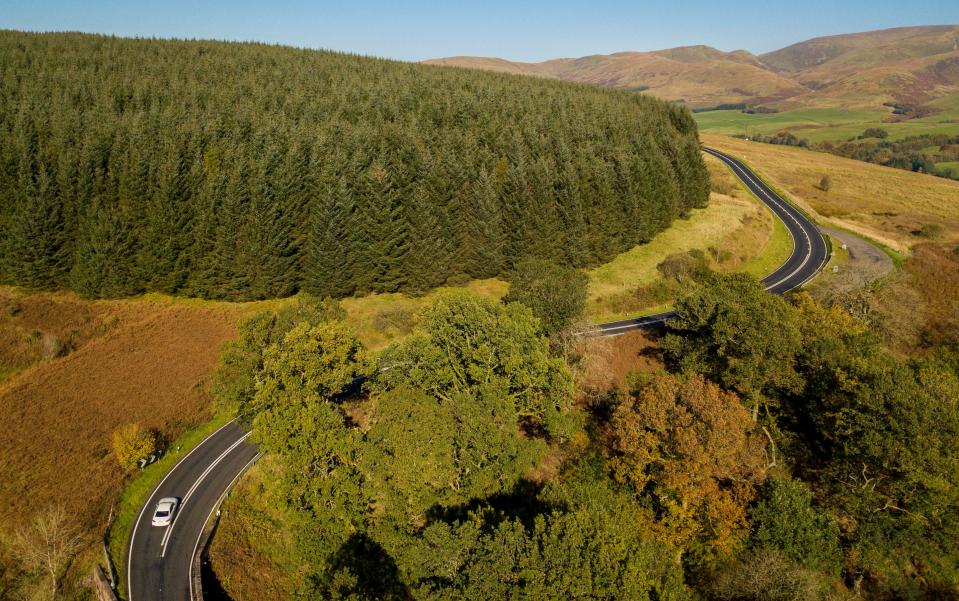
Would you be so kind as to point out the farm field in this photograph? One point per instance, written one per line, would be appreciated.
(831, 124)
(894, 207)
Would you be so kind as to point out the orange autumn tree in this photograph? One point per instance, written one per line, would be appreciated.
(692, 452)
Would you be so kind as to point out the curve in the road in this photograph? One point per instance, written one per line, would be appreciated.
(160, 560)
(810, 251)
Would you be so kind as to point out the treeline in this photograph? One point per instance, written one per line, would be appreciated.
(245, 171)
(914, 153)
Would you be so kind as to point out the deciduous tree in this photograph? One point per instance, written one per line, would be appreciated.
(691, 452)
(131, 443)
(555, 293)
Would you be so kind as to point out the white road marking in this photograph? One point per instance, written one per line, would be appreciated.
(216, 505)
(744, 174)
(206, 472)
(136, 524)
(768, 198)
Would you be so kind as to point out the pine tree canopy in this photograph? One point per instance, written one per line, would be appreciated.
(245, 171)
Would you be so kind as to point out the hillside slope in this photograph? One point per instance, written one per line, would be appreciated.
(243, 171)
(699, 75)
(907, 66)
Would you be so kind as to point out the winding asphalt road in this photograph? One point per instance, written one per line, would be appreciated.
(810, 252)
(160, 560)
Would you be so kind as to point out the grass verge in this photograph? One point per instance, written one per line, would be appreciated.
(137, 490)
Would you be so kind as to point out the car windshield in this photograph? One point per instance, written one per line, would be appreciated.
(162, 513)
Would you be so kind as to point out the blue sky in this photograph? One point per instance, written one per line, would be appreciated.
(420, 29)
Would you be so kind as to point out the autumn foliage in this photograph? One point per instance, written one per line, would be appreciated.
(131, 443)
(692, 450)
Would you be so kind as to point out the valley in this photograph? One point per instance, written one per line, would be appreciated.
(673, 324)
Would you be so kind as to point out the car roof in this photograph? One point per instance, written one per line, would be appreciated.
(167, 501)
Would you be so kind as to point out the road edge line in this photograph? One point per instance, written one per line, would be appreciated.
(216, 507)
(153, 493)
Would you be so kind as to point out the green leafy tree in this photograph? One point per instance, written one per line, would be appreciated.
(311, 365)
(785, 520)
(883, 433)
(555, 293)
(297, 418)
(472, 345)
(473, 449)
(582, 549)
(736, 333)
(234, 382)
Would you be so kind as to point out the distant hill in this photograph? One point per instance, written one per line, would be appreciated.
(908, 65)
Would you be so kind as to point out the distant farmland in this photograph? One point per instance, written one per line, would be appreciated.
(831, 124)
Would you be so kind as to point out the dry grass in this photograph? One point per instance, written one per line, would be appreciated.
(736, 231)
(379, 319)
(151, 365)
(608, 360)
(885, 204)
(24, 326)
(933, 272)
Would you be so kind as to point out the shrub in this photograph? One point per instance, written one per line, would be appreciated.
(682, 267)
(825, 184)
(12, 309)
(131, 443)
(875, 132)
(51, 346)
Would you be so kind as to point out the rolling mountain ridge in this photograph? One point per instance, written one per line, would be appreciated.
(904, 66)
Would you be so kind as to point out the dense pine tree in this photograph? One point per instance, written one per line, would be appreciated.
(105, 257)
(241, 171)
(35, 246)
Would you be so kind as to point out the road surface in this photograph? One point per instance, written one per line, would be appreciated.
(810, 252)
(160, 560)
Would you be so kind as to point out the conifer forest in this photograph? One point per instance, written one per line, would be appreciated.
(249, 171)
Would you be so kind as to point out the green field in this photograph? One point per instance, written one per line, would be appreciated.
(834, 125)
(950, 166)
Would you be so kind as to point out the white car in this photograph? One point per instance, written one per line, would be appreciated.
(163, 514)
